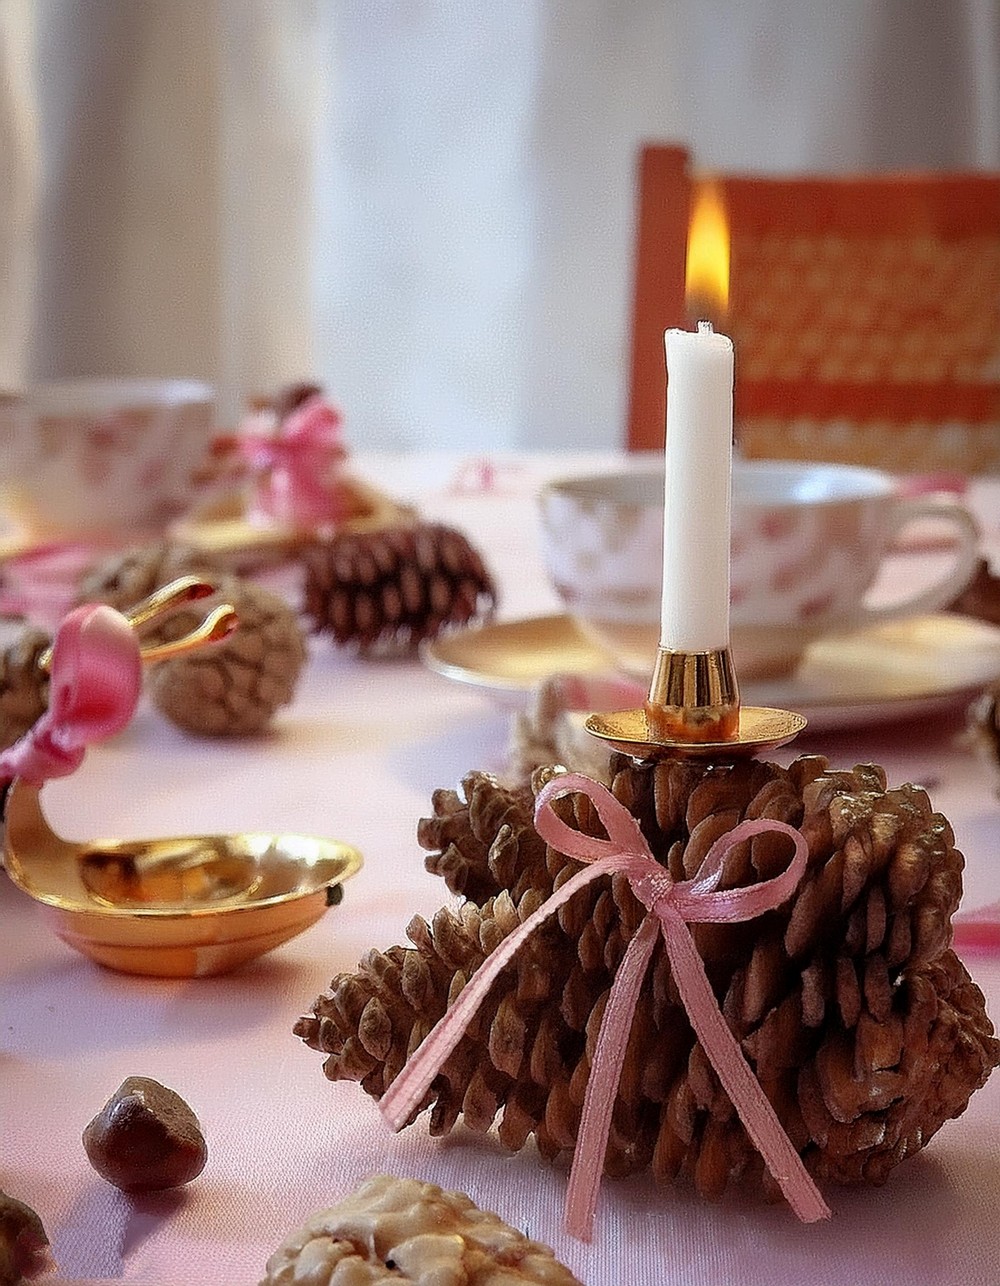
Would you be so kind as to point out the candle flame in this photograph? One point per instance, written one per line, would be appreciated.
(707, 275)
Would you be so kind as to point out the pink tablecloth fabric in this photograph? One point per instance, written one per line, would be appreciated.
(357, 756)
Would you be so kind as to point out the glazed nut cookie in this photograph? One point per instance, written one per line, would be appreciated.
(411, 1233)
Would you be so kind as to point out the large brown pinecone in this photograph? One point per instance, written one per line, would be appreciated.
(123, 579)
(396, 585)
(24, 685)
(233, 688)
(861, 1024)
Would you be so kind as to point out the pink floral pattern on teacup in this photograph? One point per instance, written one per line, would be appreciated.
(97, 458)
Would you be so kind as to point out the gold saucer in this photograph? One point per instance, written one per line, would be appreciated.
(229, 537)
(181, 907)
(914, 667)
(759, 728)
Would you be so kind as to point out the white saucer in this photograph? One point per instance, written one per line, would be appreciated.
(899, 670)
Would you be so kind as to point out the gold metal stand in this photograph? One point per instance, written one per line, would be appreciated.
(693, 711)
(694, 696)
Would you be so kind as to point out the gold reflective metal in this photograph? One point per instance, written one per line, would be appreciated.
(186, 589)
(759, 728)
(186, 906)
(693, 696)
(693, 711)
(217, 625)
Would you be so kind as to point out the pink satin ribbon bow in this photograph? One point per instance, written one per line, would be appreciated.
(671, 906)
(299, 462)
(94, 686)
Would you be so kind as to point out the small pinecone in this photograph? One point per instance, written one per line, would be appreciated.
(125, 579)
(233, 688)
(548, 732)
(395, 586)
(24, 685)
(861, 1024)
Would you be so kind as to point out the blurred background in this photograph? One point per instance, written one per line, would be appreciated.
(425, 204)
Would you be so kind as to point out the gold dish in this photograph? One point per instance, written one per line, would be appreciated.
(180, 907)
(227, 535)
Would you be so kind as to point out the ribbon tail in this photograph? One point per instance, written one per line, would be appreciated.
(602, 1085)
(413, 1082)
(733, 1070)
(977, 930)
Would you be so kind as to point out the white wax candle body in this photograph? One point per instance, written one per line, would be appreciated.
(698, 474)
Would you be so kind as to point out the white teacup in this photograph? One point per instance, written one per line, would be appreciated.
(91, 458)
(808, 541)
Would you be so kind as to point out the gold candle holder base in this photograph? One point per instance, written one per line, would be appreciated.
(693, 696)
(693, 711)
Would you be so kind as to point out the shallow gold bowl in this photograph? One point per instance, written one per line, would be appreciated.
(180, 907)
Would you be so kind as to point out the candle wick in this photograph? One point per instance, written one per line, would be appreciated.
(705, 328)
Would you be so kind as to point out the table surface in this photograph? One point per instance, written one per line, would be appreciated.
(357, 756)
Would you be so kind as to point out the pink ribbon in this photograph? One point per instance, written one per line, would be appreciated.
(96, 679)
(298, 463)
(41, 583)
(671, 906)
(977, 930)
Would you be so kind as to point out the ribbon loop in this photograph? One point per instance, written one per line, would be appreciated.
(624, 835)
(299, 463)
(96, 679)
(670, 905)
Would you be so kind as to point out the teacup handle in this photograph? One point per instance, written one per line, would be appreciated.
(948, 586)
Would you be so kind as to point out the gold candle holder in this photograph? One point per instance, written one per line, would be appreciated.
(694, 696)
(694, 711)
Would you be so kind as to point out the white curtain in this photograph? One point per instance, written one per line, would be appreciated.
(173, 228)
(425, 203)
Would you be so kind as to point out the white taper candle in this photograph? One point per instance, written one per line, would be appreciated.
(698, 473)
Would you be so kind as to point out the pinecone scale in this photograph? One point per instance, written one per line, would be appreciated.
(24, 685)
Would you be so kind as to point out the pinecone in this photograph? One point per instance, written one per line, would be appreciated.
(395, 586)
(24, 685)
(125, 579)
(550, 732)
(233, 688)
(861, 1024)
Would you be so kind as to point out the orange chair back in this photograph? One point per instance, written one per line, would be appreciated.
(865, 313)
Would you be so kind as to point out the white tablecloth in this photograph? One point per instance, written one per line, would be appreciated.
(357, 756)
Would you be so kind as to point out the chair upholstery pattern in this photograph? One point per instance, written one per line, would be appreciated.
(866, 317)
